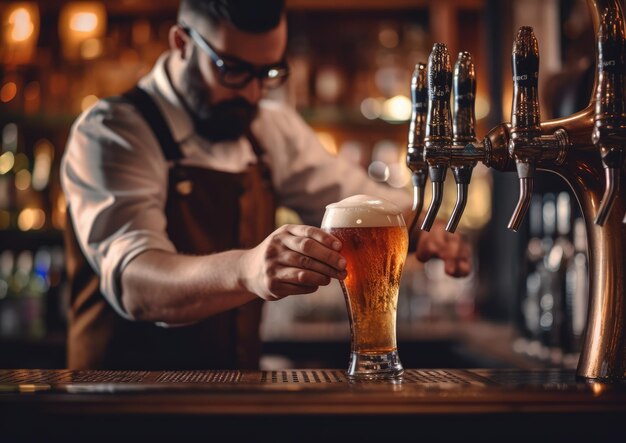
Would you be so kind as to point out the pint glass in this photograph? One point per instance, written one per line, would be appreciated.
(375, 243)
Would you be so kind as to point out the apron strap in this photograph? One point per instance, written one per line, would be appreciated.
(153, 116)
(149, 110)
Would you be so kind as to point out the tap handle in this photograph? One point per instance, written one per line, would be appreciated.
(464, 86)
(463, 130)
(524, 144)
(609, 130)
(419, 98)
(525, 115)
(415, 149)
(610, 109)
(438, 126)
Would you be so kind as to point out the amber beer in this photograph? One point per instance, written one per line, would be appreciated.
(375, 242)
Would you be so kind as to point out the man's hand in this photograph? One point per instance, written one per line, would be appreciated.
(294, 259)
(453, 249)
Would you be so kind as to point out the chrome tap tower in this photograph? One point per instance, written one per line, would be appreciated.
(586, 149)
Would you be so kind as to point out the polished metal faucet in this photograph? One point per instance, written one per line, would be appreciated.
(587, 149)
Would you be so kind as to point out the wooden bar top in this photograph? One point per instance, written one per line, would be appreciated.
(300, 404)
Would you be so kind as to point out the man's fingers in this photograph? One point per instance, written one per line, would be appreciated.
(285, 289)
(304, 262)
(316, 251)
(458, 267)
(300, 277)
(317, 234)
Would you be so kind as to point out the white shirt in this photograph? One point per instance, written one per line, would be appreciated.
(115, 177)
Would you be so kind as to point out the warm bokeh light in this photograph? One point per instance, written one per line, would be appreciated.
(22, 180)
(84, 22)
(91, 48)
(328, 141)
(397, 109)
(21, 23)
(8, 92)
(44, 154)
(7, 160)
(88, 102)
(31, 219)
(80, 22)
(59, 213)
(482, 107)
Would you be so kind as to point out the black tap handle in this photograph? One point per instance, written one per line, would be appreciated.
(419, 99)
(438, 135)
(438, 120)
(525, 115)
(464, 86)
(415, 149)
(525, 118)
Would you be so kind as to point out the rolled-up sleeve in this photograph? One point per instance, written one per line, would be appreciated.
(115, 181)
(306, 176)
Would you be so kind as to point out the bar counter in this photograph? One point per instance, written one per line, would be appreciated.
(308, 405)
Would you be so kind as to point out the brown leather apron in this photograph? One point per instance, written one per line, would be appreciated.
(207, 211)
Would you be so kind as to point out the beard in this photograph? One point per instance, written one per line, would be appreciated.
(223, 121)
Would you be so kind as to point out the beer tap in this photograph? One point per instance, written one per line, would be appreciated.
(461, 151)
(438, 135)
(609, 132)
(464, 142)
(526, 145)
(582, 148)
(415, 148)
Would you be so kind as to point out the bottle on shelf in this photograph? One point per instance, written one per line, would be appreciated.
(9, 309)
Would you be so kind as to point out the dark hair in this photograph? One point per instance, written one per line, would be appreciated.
(246, 15)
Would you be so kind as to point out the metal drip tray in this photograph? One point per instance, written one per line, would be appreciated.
(198, 377)
(302, 376)
(207, 379)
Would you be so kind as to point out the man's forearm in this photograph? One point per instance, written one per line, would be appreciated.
(161, 286)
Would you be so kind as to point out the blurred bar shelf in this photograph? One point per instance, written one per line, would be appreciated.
(307, 405)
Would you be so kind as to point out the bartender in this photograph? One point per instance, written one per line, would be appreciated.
(172, 190)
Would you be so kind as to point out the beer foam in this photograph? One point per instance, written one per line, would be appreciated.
(362, 211)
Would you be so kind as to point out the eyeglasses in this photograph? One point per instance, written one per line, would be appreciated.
(235, 73)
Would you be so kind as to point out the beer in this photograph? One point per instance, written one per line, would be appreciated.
(375, 243)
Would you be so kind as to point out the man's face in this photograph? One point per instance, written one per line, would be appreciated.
(221, 112)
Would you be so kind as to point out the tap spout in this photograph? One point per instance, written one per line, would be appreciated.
(437, 175)
(462, 176)
(525, 171)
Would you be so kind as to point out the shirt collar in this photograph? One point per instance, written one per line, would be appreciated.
(158, 84)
